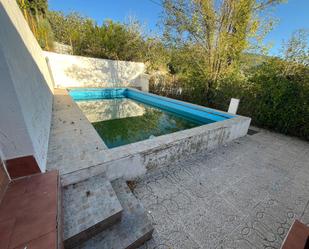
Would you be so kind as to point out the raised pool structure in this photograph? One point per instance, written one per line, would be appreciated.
(124, 132)
(122, 116)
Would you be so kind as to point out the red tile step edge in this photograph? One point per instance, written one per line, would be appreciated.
(22, 166)
(297, 237)
(30, 213)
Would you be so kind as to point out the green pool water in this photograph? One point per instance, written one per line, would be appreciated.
(123, 121)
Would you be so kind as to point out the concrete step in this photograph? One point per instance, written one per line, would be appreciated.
(133, 230)
(90, 206)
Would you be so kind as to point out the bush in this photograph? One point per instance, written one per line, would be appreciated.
(179, 87)
(273, 97)
(111, 40)
(282, 98)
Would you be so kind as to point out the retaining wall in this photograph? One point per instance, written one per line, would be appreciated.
(26, 89)
(78, 71)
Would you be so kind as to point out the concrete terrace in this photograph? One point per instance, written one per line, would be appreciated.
(243, 195)
(191, 189)
(78, 152)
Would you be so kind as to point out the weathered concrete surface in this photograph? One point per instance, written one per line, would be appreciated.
(26, 94)
(79, 71)
(242, 195)
(133, 229)
(76, 151)
(89, 207)
(73, 142)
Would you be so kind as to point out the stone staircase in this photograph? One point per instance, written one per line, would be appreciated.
(103, 214)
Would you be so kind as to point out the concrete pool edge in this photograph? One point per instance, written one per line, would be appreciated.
(133, 160)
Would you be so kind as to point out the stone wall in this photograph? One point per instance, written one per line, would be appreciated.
(78, 71)
(26, 89)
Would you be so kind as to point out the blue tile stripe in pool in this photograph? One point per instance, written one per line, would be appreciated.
(88, 93)
(199, 113)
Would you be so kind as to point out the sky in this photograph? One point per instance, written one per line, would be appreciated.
(291, 16)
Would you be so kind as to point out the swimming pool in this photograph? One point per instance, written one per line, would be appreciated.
(123, 116)
(199, 129)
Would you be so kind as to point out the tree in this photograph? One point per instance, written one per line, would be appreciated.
(296, 51)
(35, 12)
(214, 32)
(34, 7)
(156, 55)
(274, 92)
(111, 40)
(69, 29)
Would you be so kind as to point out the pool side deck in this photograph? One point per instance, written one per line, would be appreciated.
(243, 195)
(78, 152)
(74, 143)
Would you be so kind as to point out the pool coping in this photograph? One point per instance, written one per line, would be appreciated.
(133, 160)
(166, 99)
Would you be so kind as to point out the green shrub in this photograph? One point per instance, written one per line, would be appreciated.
(272, 96)
(282, 98)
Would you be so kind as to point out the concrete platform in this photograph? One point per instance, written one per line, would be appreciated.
(78, 152)
(74, 144)
(89, 207)
(243, 195)
(133, 230)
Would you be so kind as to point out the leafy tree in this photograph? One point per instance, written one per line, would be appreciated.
(215, 32)
(35, 12)
(111, 40)
(296, 51)
(69, 29)
(275, 93)
(34, 7)
(156, 55)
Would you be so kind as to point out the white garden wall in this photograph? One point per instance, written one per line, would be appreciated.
(26, 89)
(78, 71)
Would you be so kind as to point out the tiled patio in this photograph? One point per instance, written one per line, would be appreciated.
(243, 195)
(29, 213)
